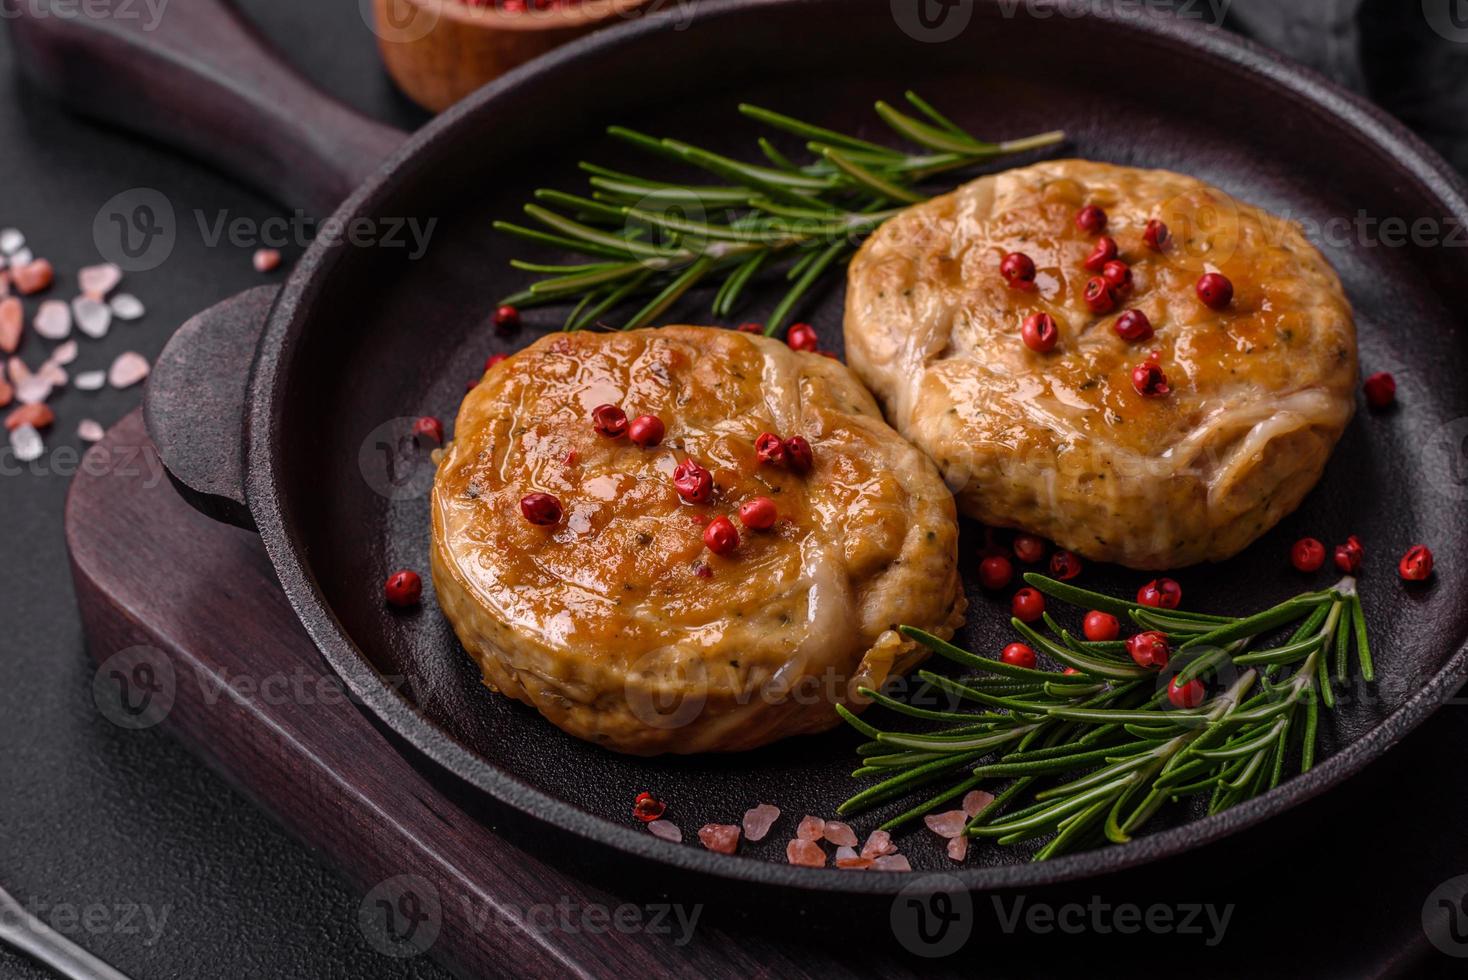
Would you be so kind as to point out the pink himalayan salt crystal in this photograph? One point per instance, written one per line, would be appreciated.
(811, 828)
(948, 824)
(720, 837)
(757, 822)
(891, 862)
(63, 354)
(846, 857)
(878, 844)
(128, 369)
(52, 320)
(93, 317)
(666, 831)
(976, 801)
(806, 853)
(840, 833)
(89, 430)
(958, 848)
(97, 281)
(12, 322)
(266, 260)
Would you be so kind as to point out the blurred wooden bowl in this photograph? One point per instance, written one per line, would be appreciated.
(438, 51)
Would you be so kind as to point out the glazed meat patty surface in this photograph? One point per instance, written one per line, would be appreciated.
(618, 623)
(1062, 443)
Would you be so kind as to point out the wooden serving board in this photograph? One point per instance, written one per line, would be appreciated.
(192, 632)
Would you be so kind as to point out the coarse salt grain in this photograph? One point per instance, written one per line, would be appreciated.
(7, 393)
(93, 317)
(266, 260)
(63, 354)
(35, 416)
(53, 320)
(975, 801)
(97, 281)
(32, 389)
(759, 820)
(892, 862)
(89, 430)
(665, 830)
(52, 373)
(126, 306)
(806, 853)
(839, 833)
(949, 824)
(90, 380)
(32, 277)
(21, 257)
(27, 444)
(958, 848)
(811, 828)
(11, 241)
(12, 322)
(720, 837)
(129, 368)
(878, 844)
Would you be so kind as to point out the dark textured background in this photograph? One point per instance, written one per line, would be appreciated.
(91, 814)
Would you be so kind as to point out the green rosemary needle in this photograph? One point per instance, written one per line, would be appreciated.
(653, 241)
(1092, 756)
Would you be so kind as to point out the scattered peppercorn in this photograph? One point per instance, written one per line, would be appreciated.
(1028, 605)
(1381, 390)
(1018, 655)
(1160, 593)
(1416, 564)
(995, 572)
(541, 509)
(720, 536)
(1348, 556)
(403, 588)
(1307, 555)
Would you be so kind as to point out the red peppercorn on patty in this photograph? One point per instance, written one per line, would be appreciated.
(1154, 448)
(617, 621)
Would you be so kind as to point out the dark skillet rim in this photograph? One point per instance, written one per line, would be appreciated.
(263, 480)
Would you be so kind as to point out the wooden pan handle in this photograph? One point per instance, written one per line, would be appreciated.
(195, 76)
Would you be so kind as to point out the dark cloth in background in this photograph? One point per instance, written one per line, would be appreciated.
(1408, 56)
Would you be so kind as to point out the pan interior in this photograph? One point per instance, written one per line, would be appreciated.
(390, 337)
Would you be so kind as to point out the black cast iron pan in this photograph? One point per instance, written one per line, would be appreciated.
(362, 336)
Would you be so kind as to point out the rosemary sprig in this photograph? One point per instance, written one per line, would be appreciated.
(1093, 756)
(652, 241)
